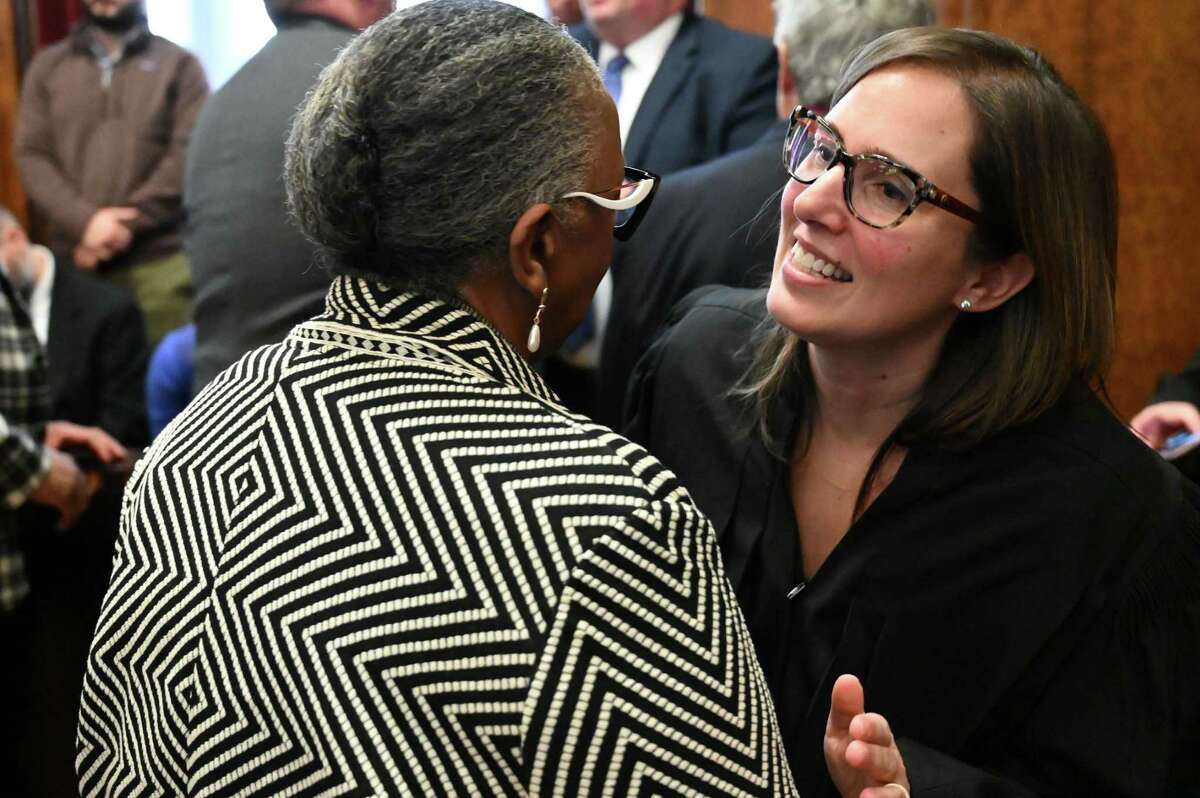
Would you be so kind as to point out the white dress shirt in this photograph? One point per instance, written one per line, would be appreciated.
(39, 299)
(645, 55)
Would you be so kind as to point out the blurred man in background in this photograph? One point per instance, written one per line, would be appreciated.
(93, 335)
(254, 273)
(101, 134)
(34, 471)
(688, 89)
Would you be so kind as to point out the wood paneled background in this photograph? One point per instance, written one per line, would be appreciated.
(1135, 63)
(1138, 66)
(10, 185)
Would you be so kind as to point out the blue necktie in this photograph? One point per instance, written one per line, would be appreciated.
(586, 330)
(612, 76)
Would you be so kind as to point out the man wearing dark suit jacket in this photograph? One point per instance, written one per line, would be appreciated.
(693, 89)
(714, 223)
(98, 352)
(718, 222)
(688, 90)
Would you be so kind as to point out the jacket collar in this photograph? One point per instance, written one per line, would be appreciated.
(298, 19)
(372, 316)
(83, 38)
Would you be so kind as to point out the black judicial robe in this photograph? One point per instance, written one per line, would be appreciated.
(1026, 614)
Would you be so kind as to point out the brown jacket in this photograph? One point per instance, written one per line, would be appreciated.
(82, 145)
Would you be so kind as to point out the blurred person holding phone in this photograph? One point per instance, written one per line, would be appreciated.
(1173, 410)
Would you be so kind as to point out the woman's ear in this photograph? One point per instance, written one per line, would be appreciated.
(997, 282)
(532, 246)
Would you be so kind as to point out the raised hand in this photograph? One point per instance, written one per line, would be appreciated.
(860, 750)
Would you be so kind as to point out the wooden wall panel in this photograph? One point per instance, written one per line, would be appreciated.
(11, 194)
(1145, 81)
(1136, 64)
(754, 16)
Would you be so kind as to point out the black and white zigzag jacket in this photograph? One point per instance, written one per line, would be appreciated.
(380, 558)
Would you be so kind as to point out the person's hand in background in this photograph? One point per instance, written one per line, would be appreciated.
(1157, 422)
(64, 434)
(64, 488)
(107, 235)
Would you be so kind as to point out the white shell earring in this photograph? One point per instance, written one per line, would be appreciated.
(534, 341)
(965, 305)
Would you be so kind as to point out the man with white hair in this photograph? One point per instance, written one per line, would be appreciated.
(254, 273)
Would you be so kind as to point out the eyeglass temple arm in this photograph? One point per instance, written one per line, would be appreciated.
(632, 201)
(961, 209)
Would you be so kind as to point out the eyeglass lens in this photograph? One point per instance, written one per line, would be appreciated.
(624, 192)
(880, 193)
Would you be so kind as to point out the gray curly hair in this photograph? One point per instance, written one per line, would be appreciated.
(820, 35)
(432, 132)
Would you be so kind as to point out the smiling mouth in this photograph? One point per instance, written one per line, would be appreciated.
(807, 262)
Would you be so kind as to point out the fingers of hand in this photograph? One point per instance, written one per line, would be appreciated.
(1158, 421)
(887, 791)
(873, 728)
(107, 448)
(846, 703)
(880, 763)
(63, 433)
(1189, 416)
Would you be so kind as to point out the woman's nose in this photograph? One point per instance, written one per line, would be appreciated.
(822, 201)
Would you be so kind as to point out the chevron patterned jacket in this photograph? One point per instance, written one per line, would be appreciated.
(381, 559)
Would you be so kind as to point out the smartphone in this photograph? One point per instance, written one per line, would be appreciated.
(1180, 444)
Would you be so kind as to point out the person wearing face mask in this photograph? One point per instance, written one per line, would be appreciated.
(41, 487)
(93, 334)
(102, 129)
(925, 509)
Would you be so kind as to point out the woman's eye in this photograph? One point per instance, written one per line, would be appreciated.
(825, 153)
(893, 192)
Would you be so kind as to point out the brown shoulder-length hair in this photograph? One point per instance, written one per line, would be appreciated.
(1043, 170)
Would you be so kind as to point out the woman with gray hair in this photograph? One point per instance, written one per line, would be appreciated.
(380, 557)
